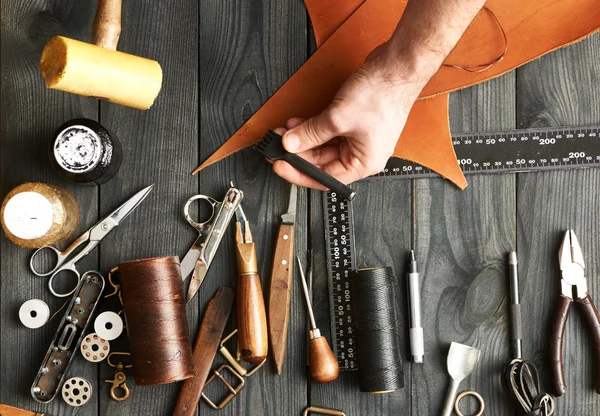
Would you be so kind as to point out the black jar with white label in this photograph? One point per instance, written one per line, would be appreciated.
(84, 152)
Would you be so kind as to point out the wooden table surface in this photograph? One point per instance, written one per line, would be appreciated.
(221, 60)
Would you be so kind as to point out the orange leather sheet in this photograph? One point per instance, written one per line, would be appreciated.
(532, 29)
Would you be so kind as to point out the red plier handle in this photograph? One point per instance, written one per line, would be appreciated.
(590, 315)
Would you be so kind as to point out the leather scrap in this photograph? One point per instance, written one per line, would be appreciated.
(532, 29)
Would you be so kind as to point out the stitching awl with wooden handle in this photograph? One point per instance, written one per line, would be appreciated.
(251, 316)
(207, 343)
(99, 70)
(281, 282)
(323, 364)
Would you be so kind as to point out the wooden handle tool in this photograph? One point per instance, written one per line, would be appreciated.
(205, 349)
(323, 364)
(281, 282)
(99, 70)
(251, 316)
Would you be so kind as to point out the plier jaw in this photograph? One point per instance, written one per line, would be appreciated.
(572, 268)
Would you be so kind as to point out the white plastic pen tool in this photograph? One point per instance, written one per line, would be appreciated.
(417, 349)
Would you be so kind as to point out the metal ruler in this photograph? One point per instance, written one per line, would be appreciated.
(511, 151)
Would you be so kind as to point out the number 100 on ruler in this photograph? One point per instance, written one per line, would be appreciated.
(339, 240)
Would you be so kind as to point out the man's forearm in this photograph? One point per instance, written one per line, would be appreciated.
(427, 32)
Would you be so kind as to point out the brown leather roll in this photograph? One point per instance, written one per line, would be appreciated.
(590, 314)
(152, 291)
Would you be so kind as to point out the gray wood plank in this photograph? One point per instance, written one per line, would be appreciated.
(560, 89)
(160, 146)
(30, 115)
(247, 50)
(461, 241)
(382, 228)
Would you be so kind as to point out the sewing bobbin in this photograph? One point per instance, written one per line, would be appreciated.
(108, 325)
(94, 349)
(34, 313)
(76, 391)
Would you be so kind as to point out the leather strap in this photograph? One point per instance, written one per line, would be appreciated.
(6, 410)
(590, 315)
(214, 321)
(557, 376)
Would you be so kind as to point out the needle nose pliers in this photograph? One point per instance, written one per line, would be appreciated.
(573, 287)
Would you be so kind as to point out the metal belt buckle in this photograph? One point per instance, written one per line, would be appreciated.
(233, 391)
(323, 411)
(235, 368)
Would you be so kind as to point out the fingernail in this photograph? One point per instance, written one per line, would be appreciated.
(291, 142)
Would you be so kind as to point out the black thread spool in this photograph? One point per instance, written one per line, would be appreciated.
(84, 152)
(374, 300)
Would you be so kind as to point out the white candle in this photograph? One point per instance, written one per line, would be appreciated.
(36, 214)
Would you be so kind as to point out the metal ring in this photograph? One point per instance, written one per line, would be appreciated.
(186, 210)
(469, 393)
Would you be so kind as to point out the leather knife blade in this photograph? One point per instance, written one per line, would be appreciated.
(281, 280)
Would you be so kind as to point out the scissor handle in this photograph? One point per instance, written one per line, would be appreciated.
(60, 259)
(69, 268)
(186, 211)
(61, 256)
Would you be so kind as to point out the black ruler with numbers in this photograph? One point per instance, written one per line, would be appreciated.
(484, 153)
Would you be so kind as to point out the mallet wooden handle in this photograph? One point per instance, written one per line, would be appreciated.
(106, 28)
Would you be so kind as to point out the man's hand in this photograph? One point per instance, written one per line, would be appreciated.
(356, 135)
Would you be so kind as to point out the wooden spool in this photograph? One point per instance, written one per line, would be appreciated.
(36, 214)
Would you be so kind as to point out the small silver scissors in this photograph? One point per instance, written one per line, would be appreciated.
(210, 233)
(66, 261)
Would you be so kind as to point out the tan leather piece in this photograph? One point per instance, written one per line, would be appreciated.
(312, 87)
(426, 139)
(533, 28)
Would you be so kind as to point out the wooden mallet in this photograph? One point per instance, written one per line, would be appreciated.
(99, 70)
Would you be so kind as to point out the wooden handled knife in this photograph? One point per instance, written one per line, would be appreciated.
(281, 281)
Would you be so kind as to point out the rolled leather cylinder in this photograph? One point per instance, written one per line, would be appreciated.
(152, 292)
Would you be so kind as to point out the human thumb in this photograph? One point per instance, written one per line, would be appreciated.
(310, 133)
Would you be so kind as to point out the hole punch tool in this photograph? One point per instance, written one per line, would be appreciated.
(573, 288)
(66, 261)
(210, 234)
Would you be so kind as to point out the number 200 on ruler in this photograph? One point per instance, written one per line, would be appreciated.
(340, 260)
